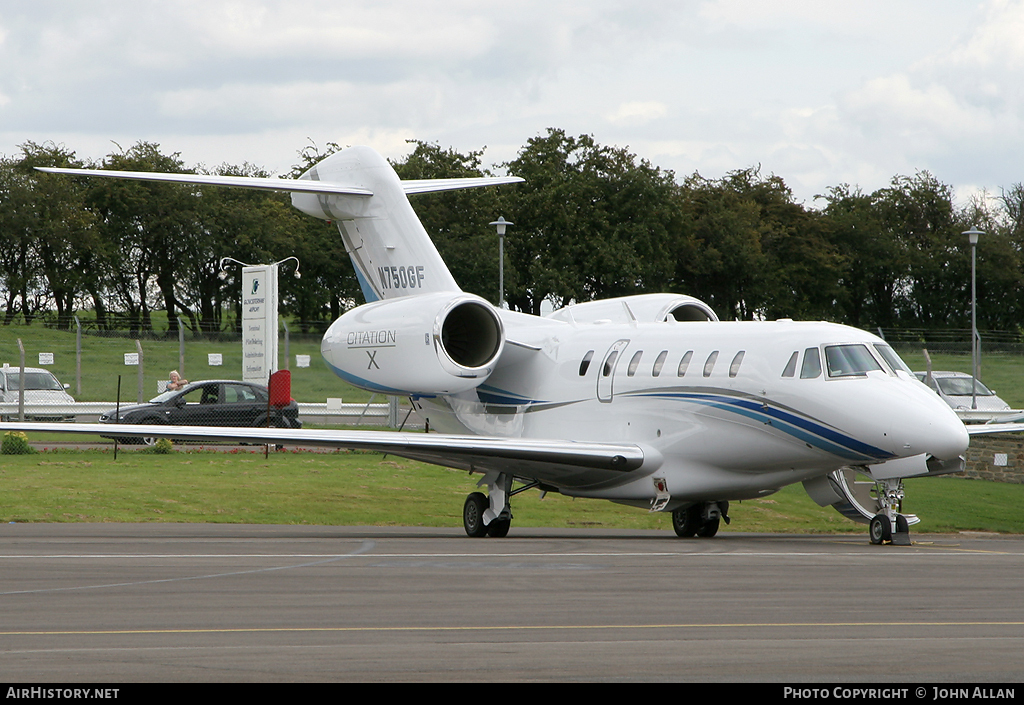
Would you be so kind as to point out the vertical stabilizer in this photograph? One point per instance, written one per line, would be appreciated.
(391, 251)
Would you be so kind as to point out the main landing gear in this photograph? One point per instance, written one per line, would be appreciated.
(701, 519)
(491, 514)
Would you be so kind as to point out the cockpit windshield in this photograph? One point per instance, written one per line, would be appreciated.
(849, 360)
(892, 359)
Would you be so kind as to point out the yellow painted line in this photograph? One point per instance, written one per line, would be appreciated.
(508, 628)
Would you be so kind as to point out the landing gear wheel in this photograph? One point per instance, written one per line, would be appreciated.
(880, 530)
(902, 525)
(499, 528)
(473, 515)
(709, 528)
(686, 521)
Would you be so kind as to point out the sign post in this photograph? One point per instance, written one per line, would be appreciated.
(259, 323)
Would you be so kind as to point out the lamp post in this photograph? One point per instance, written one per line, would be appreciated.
(973, 235)
(501, 224)
(223, 274)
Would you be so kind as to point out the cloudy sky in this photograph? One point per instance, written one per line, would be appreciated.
(818, 92)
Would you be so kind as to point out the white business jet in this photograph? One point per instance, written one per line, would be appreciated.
(645, 400)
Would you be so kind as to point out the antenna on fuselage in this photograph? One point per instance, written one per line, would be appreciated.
(629, 312)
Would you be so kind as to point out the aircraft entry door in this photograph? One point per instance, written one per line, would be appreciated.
(606, 373)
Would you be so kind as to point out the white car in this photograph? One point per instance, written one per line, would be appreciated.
(955, 388)
(41, 387)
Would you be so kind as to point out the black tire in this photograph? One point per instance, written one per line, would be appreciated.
(473, 514)
(880, 530)
(709, 528)
(902, 525)
(499, 528)
(686, 521)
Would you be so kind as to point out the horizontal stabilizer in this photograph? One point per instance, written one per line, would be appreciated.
(413, 186)
(254, 182)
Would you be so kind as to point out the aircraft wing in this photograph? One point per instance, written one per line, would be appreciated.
(982, 429)
(557, 461)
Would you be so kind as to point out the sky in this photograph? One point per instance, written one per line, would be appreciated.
(818, 93)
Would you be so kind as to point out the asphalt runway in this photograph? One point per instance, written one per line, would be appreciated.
(120, 603)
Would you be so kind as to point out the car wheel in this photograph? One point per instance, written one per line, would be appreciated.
(151, 440)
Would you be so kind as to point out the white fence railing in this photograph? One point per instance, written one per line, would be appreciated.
(90, 411)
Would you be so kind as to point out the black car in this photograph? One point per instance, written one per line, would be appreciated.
(209, 403)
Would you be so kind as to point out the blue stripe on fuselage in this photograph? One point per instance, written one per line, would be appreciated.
(805, 429)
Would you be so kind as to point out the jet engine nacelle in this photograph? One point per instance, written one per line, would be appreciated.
(441, 343)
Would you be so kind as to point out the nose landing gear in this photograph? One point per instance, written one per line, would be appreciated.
(889, 526)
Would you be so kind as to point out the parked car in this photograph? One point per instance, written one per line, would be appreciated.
(41, 387)
(955, 390)
(208, 403)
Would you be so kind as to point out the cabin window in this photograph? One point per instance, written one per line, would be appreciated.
(710, 364)
(659, 363)
(791, 365)
(609, 364)
(634, 363)
(811, 368)
(850, 361)
(684, 363)
(734, 368)
(585, 365)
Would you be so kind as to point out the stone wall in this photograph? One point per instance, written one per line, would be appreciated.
(999, 457)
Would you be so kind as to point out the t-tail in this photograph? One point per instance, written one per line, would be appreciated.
(356, 188)
(392, 254)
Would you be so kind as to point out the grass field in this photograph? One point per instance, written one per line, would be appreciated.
(103, 361)
(367, 489)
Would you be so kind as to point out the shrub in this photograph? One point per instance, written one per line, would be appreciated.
(162, 447)
(16, 443)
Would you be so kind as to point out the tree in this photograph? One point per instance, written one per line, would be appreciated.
(147, 226)
(457, 221)
(591, 222)
(53, 235)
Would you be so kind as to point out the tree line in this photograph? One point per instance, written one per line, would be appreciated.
(591, 221)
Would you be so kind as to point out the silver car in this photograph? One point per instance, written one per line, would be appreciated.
(41, 387)
(955, 388)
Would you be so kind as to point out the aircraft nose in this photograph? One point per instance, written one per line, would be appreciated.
(934, 429)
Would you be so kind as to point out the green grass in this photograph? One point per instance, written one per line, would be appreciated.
(103, 361)
(367, 489)
(1003, 373)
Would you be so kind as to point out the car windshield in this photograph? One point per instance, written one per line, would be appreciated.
(35, 381)
(961, 387)
(161, 398)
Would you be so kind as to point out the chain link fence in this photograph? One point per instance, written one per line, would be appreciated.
(78, 374)
(952, 341)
